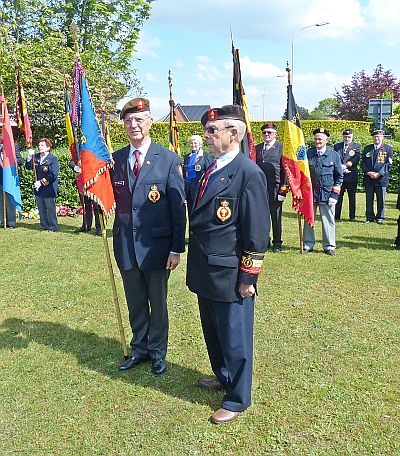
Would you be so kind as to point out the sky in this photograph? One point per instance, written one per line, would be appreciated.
(193, 39)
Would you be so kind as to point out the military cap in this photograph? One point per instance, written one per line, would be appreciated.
(135, 105)
(226, 112)
(377, 132)
(270, 125)
(347, 131)
(321, 130)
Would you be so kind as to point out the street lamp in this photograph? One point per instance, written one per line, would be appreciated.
(318, 24)
(252, 111)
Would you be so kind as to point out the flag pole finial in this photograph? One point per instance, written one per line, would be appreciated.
(74, 33)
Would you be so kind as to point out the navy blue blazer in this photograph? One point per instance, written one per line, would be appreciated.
(351, 156)
(150, 217)
(379, 162)
(271, 164)
(191, 187)
(326, 172)
(219, 238)
(47, 173)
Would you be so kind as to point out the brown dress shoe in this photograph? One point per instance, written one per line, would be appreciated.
(222, 416)
(211, 383)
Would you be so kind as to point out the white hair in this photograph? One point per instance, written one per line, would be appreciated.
(238, 125)
(196, 138)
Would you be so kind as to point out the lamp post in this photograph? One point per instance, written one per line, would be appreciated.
(252, 111)
(318, 24)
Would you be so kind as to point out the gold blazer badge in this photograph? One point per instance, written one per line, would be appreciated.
(197, 168)
(154, 194)
(224, 212)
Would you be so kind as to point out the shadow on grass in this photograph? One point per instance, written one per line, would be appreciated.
(373, 243)
(102, 355)
(64, 228)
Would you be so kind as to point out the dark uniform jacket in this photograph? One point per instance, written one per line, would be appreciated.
(326, 172)
(191, 184)
(19, 161)
(378, 161)
(47, 174)
(230, 223)
(350, 157)
(270, 162)
(150, 218)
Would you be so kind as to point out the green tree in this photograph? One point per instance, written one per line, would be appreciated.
(303, 113)
(37, 33)
(325, 110)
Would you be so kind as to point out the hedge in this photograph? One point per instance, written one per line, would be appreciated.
(160, 132)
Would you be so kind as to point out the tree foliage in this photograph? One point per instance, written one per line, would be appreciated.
(352, 103)
(37, 33)
(325, 110)
(303, 113)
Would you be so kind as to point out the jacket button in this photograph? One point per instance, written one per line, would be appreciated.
(134, 229)
(191, 233)
(134, 209)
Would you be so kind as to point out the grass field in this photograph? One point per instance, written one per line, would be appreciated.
(326, 364)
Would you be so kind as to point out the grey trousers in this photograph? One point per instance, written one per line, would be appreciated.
(47, 213)
(327, 214)
(146, 296)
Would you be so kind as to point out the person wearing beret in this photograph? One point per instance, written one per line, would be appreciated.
(46, 169)
(148, 232)
(194, 166)
(326, 179)
(376, 162)
(227, 241)
(11, 218)
(349, 152)
(269, 159)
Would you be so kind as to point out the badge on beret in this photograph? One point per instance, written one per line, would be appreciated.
(224, 212)
(140, 104)
(351, 153)
(212, 114)
(197, 168)
(154, 194)
(45, 169)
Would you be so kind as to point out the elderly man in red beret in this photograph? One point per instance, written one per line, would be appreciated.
(148, 232)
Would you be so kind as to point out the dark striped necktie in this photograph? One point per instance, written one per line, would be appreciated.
(136, 165)
(204, 181)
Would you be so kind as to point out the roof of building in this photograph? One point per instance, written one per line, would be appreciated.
(190, 112)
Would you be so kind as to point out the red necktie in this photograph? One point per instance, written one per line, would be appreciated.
(204, 181)
(136, 165)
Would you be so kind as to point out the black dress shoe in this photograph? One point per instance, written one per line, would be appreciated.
(132, 362)
(82, 229)
(159, 366)
(277, 249)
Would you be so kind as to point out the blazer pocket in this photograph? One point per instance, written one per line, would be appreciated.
(226, 261)
(161, 231)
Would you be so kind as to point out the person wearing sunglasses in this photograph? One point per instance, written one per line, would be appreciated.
(148, 232)
(269, 159)
(227, 242)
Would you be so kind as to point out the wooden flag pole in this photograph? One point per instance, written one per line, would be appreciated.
(74, 32)
(300, 233)
(4, 210)
(113, 286)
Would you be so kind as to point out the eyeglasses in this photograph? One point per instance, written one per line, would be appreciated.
(214, 130)
(268, 132)
(134, 120)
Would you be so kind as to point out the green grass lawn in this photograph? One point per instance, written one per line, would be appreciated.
(326, 361)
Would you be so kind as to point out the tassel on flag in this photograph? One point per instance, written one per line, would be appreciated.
(11, 184)
(239, 98)
(93, 153)
(295, 162)
(21, 111)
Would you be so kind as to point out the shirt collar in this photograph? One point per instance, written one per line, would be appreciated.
(142, 151)
(226, 159)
